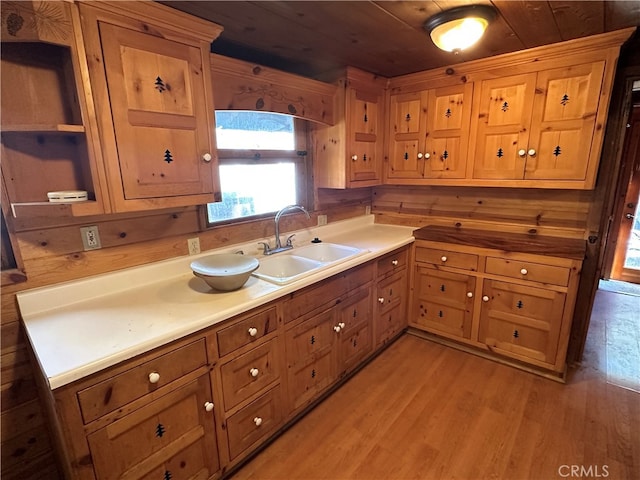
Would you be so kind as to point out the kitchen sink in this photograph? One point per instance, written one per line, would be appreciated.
(288, 267)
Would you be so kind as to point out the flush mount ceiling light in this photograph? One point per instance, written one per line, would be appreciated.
(458, 28)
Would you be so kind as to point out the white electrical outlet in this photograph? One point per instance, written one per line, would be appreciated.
(367, 210)
(322, 220)
(90, 238)
(194, 246)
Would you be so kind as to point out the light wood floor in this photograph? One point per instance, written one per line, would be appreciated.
(425, 411)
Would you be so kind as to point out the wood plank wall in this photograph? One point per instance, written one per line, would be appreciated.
(52, 252)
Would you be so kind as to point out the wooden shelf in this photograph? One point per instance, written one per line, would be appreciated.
(55, 209)
(54, 128)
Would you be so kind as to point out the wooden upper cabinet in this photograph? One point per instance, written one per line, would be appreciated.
(429, 133)
(539, 126)
(350, 153)
(149, 69)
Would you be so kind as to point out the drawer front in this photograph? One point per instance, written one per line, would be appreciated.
(465, 261)
(246, 331)
(389, 324)
(121, 389)
(249, 373)
(393, 262)
(309, 299)
(163, 433)
(391, 291)
(255, 421)
(535, 272)
(521, 320)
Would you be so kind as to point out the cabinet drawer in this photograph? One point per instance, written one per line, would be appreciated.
(255, 421)
(535, 272)
(465, 261)
(121, 389)
(391, 291)
(165, 432)
(245, 331)
(306, 300)
(392, 262)
(249, 373)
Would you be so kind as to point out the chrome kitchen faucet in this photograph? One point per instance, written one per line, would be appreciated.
(288, 245)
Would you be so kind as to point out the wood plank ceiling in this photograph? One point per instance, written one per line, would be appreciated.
(313, 38)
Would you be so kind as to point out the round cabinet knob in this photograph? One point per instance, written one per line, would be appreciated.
(254, 372)
(207, 157)
(420, 156)
(341, 325)
(470, 294)
(337, 329)
(257, 421)
(532, 152)
(354, 157)
(524, 271)
(394, 263)
(522, 152)
(443, 258)
(208, 406)
(253, 331)
(485, 298)
(154, 377)
(427, 156)
(380, 299)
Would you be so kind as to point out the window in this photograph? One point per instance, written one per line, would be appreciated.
(262, 164)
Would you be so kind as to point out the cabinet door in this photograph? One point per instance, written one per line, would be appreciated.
(354, 336)
(443, 302)
(310, 358)
(447, 136)
(365, 150)
(503, 123)
(156, 91)
(406, 136)
(563, 122)
(521, 321)
(174, 434)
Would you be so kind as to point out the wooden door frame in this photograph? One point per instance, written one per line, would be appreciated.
(626, 172)
(603, 201)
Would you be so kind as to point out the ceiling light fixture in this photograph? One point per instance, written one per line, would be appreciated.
(458, 28)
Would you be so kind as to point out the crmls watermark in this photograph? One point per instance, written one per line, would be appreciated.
(583, 471)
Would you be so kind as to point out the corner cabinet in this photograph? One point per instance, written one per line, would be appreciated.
(530, 119)
(47, 139)
(350, 153)
(150, 77)
(511, 297)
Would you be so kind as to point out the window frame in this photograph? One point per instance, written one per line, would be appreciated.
(303, 167)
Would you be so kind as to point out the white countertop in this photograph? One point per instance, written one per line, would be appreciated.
(81, 327)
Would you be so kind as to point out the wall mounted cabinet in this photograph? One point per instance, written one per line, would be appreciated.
(151, 82)
(350, 153)
(535, 118)
(428, 134)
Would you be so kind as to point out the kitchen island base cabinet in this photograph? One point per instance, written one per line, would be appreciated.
(514, 303)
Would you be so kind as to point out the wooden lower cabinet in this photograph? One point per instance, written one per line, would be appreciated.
(510, 303)
(197, 408)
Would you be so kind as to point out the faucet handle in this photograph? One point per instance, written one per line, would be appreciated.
(266, 248)
(289, 241)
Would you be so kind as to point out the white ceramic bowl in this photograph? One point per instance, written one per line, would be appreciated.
(225, 271)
